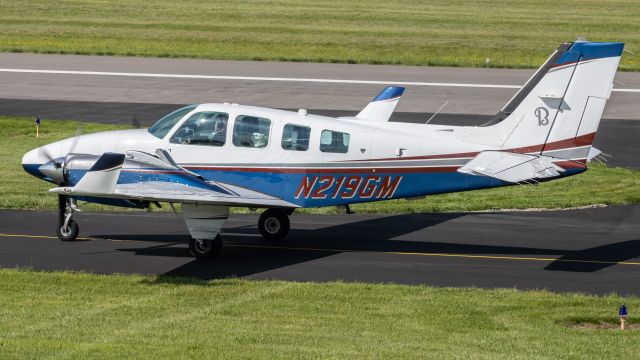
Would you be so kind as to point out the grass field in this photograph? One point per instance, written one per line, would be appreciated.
(444, 32)
(599, 185)
(84, 316)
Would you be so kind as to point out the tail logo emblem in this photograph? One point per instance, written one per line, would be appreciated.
(543, 116)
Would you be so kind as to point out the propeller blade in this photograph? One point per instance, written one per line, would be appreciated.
(46, 153)
(76, 139)
(135, 123)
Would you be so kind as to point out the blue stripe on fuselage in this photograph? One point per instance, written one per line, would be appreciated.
(285, 185)
(322, 189)
(132, 176)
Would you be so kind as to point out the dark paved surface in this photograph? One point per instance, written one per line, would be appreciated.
(280, 94)
(590, 250)
(616, 137)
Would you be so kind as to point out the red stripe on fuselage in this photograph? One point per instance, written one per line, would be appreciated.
(581, 140)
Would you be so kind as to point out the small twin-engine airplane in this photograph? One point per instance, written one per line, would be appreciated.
(209, 157)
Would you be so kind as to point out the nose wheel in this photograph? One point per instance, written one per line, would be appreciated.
(274, 224)
(67, 229)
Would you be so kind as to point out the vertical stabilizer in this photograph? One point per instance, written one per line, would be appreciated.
(560, 107)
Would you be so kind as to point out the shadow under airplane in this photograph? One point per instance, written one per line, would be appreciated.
(247, 254)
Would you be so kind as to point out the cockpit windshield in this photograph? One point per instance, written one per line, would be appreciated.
(164, 125)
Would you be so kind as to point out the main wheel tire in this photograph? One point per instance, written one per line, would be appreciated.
(274, 224)
(68, 233)
(205, 248)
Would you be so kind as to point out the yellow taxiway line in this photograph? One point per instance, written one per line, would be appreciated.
(464, 256)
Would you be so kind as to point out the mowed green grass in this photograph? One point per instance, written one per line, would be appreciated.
(85, 316)
(510, 33)
(599, 185)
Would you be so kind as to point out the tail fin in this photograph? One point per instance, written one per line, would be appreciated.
(382, 106)
(560, 107)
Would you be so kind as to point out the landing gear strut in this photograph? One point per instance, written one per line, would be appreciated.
(204, 223)
(67, 229)
(274, 224)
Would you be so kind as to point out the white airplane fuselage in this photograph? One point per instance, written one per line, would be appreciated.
(384, 160)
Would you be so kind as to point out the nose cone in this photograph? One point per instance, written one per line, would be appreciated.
(32, 160)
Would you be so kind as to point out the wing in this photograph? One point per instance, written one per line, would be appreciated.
(175, 192)
(142, 176)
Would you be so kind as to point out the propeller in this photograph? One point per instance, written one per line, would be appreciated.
(55, 168)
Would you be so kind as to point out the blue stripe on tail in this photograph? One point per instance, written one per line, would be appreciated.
(590, 51)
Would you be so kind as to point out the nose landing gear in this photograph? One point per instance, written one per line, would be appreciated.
(67, 229)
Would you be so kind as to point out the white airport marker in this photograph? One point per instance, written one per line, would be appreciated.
(259, 78)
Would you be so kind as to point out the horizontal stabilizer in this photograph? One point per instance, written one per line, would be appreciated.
(511, 167)
(383, 105)
(593, 153)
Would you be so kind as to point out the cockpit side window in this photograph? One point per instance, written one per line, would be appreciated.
(251, 131)
(203, 128)
(162, 127)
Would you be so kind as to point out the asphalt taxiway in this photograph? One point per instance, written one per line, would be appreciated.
(593, 250)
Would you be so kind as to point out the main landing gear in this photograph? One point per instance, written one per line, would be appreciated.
(67, 229)
(205, 222)
(274, 224)
(205, 248)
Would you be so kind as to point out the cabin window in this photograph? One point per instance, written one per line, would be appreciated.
(334, 142)
(162, 127)
(203, 128)
(251, 131)
(295, 137)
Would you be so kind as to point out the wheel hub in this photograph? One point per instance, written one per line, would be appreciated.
(203, 245)
(65, 230)
(272, 225)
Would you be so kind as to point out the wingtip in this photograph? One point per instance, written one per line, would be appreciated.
(388, 93)
(108, 161)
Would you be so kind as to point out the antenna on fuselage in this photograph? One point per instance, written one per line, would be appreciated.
(436, 113)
